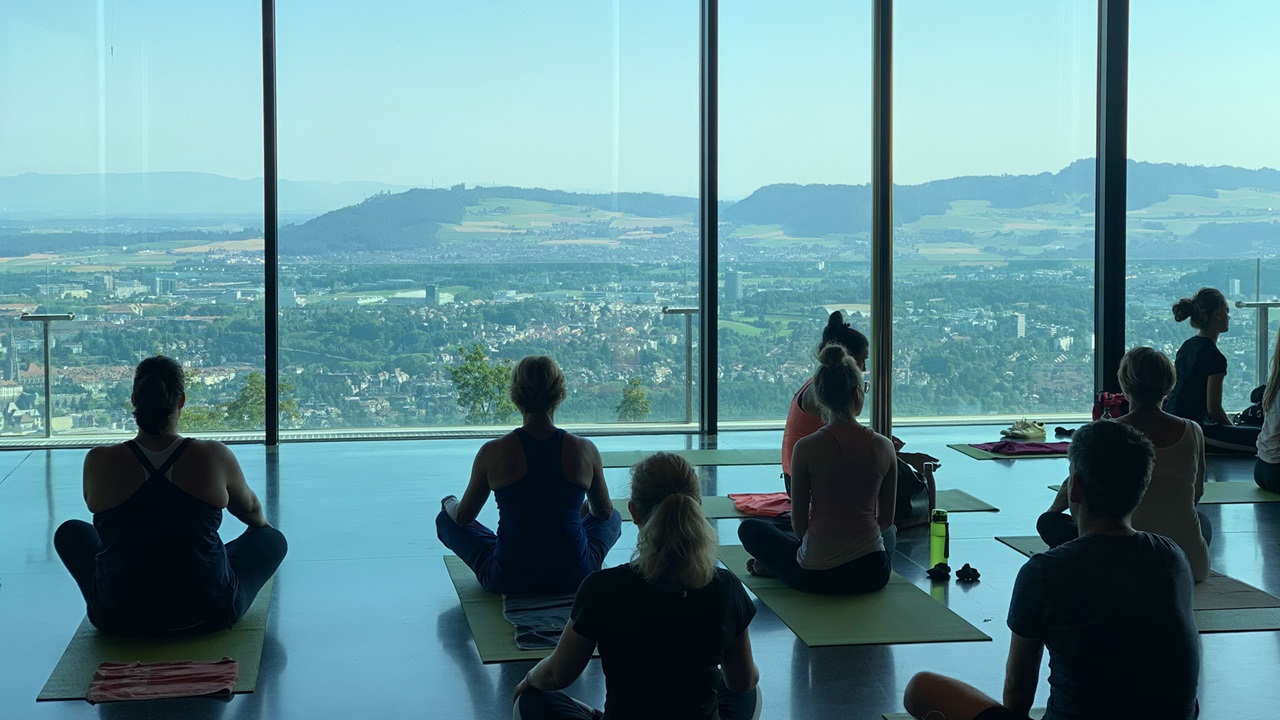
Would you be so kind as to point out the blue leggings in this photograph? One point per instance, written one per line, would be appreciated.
(476, 544)
(1267, 475)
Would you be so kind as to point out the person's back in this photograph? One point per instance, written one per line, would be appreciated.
(660, 649)
(845, 489)
(1115, 613)
(163, 567)
(1168, 507)
(540, 533)
(1197, 360)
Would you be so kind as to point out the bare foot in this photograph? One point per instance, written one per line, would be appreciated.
(759, 569)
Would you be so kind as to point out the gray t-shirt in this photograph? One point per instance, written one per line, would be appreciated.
(1115, 615)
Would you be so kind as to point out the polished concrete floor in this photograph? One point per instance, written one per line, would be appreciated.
(365, 623)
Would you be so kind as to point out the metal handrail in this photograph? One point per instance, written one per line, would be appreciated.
(47, 318)
(1263, 307)
(688, 314)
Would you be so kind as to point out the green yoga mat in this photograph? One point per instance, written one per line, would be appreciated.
(977, 454)
(1228, 493)
(89, 648)
(720, 507)
(900, 613)
(1036, 714)
(1222, 603)
(627, 458)
(495, 638)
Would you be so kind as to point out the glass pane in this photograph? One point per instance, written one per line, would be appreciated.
(471, 186)
(1204, 195)
(993, 208)
(795, 220)
(131, 196)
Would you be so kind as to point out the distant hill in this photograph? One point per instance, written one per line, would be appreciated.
(34, 195)
(816, 210)
(407, 220)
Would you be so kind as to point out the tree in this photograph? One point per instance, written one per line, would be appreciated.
(635, 405)
(246, 411)
(482, 387)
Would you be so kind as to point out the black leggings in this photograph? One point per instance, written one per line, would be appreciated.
(776, 548)
(1056, 528)
(254, 557)
(1241, 439)
(1267, 475)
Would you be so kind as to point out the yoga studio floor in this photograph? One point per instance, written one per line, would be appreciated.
(364, 622)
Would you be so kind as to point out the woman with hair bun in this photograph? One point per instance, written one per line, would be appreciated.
(1201, 367)
(670, 625)
(152, 562)
(843, 491)
(804, 417)
(548, 540)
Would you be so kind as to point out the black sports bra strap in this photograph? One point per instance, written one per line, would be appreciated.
(173, 456)
(142, 458)
(153, 471)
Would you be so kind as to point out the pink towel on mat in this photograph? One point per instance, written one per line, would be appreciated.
(152, 681)
(762, 504)
(1015, 447)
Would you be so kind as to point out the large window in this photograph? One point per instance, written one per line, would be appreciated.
(1204, 192)
(130, 196)
(498, 183)
(795, 163)
(993, 207)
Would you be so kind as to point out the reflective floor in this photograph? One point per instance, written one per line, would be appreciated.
(365, 623)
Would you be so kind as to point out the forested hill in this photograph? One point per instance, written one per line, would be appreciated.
(404, 221)
(408, 220)
(815, 210)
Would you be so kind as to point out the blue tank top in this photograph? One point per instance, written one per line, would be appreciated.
(541, 545)
(162, 568)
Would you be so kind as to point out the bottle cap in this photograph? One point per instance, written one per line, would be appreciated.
(939, 516)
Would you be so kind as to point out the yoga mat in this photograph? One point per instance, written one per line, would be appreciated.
(977, 454)
(1217, 593)
(719, 507)
(627, 458)
(495, 638)
(1036, 714)
(88, 648)
(1228, 493)
(900, 613)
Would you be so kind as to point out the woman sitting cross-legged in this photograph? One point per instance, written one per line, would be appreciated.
(1177, 480)
(671, 627)
(843, 491)
(152, 562)
(547, 541)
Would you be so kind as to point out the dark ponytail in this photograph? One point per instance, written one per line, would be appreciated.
(158, 389)
(838, 331)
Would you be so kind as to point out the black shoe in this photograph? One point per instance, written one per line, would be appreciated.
(967, 574)
(941, 571)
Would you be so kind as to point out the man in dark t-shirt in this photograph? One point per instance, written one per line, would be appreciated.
(1113, 607)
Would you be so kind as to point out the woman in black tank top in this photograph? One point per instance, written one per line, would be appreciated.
(152, 562)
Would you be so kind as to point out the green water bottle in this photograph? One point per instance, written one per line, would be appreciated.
(939, 538)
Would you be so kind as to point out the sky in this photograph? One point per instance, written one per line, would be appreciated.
(602, 95)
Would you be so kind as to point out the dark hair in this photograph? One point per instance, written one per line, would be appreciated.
(676, 548)
(838, 331)
(838, 380)
(1201, 307)
(537, 385)
(158, 388)
(1113, 463)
